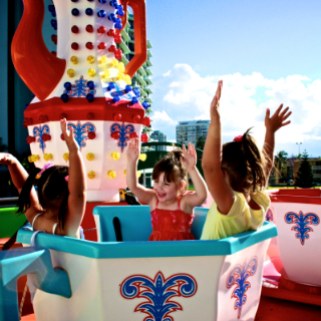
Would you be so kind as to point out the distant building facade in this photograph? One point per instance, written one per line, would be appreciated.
(291, 170)
(191, 131)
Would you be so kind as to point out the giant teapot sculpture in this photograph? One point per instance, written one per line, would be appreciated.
(86, 82)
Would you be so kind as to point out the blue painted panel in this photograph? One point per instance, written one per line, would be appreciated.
(134, 221)
(139, 249)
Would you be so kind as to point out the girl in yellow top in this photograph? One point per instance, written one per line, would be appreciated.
(237, 174)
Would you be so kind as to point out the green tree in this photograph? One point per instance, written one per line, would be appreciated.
(281, 165)
(304, 176)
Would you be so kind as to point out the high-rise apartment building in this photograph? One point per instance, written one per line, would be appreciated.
(191, 131)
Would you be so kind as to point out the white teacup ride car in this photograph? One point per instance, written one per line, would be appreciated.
(126, 277)
(295, 257)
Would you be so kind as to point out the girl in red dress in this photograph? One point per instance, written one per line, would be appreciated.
(171, 205)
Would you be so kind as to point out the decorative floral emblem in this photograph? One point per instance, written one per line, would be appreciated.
(41, 133)
(269, 215)
(302, 222)
(82, 132)
(239, 277)
(122, 133)
(158, 293)
(81, 88)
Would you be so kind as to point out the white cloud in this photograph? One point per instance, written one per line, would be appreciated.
(163, 117)
(183, 94)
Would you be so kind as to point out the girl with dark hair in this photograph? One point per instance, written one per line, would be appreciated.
(237, 174)
(171, 205)
(53, 199)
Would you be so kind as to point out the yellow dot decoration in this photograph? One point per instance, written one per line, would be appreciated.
(139, 174)
(113, 62)
(115, 155)
(66, 156)
(91, 59)
(112, 70)
(33, 158)
(121, 67)
(71, 72)
(74, 60)
(127, 79)
(111, 174)
(105, 75)
(90, 156)
(91, 72)
(102, 60)
(48, 156)
(91, 174)
(143, 157)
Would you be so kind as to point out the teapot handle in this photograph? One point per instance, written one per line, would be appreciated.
(140, 54)
(38, 68)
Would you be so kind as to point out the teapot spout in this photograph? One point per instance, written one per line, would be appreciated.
(38, 68)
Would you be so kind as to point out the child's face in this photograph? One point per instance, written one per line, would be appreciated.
(165, 191)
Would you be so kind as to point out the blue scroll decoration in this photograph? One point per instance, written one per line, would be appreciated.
(38, 132)
(158, 293)
(301, 224)
(80, 88)
(239, 277)
(122, 133)
(81, 132)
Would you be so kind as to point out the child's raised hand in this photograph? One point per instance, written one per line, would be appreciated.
(133, 149)
(6, 159)
(68, 135)
(278, 119)
(216, 99)
(189, 159)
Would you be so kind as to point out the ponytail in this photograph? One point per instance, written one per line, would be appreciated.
(24, 196)
(244, 163)
(255, 161)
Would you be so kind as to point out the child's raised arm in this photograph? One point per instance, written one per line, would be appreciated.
(76, 182)
(272, 124)
(18, 175)
(189, 162)
(212, 158)
(17, 172)
(144, 195)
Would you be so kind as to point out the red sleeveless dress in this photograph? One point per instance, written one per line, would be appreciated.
(171, 225)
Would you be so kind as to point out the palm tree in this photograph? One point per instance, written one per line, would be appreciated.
(280, 165)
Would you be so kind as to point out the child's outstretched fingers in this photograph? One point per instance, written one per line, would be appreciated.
(68, 135)
(279, 119)
(216, 99)
(133, 149)
(192, 150)
(64, 130)
(189, 156)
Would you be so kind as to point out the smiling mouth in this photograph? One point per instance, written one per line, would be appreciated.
(160, 195)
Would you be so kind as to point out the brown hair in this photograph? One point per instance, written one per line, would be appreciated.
(171, 166)
(50, 185)
(244, 163)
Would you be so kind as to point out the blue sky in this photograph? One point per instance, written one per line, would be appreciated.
(266, 52)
